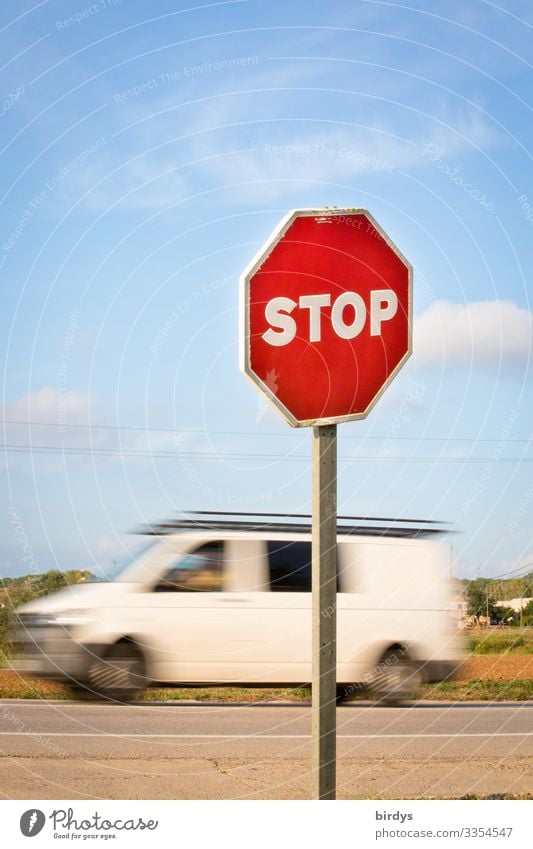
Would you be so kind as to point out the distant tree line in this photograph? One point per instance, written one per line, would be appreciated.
(483, 593)
(17, 591)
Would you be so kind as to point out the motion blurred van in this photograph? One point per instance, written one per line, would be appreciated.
(224, 601)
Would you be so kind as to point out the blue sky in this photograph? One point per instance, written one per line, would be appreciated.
(148, 151)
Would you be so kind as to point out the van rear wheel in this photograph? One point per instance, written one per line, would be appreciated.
(120, 675)
(396, 679)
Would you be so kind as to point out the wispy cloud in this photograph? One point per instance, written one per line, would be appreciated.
(145, 182)
(458, 133)
(285, 151)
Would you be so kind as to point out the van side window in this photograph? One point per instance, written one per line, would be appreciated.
(289, 565)
(197, 571)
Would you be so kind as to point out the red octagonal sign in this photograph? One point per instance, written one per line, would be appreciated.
(326, 315)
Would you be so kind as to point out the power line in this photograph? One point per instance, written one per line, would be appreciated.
(204, 455)
(55, 425)
(513, 573)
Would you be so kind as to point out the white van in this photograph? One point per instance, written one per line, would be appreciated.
(229, 602)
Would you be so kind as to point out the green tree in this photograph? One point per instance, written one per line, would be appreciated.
(480, 598)
(527, 614)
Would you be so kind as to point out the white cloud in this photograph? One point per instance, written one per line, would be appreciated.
(108, 547)
(480, 333)
(52, 420)
(50, 405)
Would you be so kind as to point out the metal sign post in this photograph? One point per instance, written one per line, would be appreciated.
(324, 592)
(326, 314)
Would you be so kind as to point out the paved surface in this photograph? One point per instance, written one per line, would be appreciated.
(65, 750)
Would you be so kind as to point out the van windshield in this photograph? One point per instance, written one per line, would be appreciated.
(115, 569)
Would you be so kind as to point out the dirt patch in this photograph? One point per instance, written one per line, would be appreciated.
(496, 667)
(13, 685)
(487, 668)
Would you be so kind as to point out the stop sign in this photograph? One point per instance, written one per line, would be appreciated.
(326, 315)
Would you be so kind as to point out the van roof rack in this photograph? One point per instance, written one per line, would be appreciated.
(290, 523)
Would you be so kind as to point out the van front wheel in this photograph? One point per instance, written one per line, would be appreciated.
(396, 678)
(119, 676)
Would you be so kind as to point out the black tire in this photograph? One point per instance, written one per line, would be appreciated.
(120, 675)
(84, 693)
(396, 679)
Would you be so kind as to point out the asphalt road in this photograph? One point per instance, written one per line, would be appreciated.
(66, 750)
